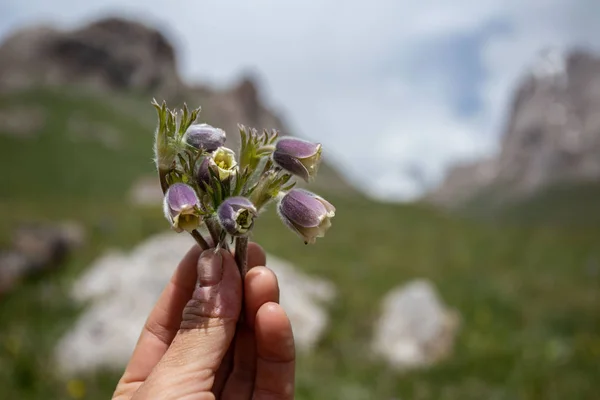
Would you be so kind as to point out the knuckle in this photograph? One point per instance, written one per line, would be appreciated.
(202, 314)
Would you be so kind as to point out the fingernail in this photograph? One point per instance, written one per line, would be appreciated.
(210, 268)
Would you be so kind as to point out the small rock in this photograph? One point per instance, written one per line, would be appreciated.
(415, 328)
(302, 297)
(22, 122)
(35, 248)
(13, 267)
(47, 245)
(122, 288)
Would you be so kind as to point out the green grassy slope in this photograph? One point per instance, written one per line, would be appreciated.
(560, 205)
(574, 204)
(528, 295)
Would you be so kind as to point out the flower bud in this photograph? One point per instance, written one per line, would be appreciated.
(204, 136)
(203, 174)
(306, 214)
(236, 215)
(164, 151)
(298, 157)
(180, 207)
(223, 160)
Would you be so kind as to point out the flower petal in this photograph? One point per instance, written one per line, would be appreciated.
(233, 209)
(302, 208)
(181, 197)
(205, 137)
(292, 165)
(328, 206)
(297, 148)
(203, 174)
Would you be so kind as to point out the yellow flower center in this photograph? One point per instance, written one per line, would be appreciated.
(224, 159)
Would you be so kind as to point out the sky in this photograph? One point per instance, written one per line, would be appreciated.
(395, 90)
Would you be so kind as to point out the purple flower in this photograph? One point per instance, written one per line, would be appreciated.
(236, 215)
(203, 174)
(180, 207)
(298, 157)
(204, 136)
(306, 214)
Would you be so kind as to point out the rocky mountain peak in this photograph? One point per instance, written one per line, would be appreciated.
(116, 54)
(552, 135)
(111, 53)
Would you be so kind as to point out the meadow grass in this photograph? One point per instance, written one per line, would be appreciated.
(528, 294)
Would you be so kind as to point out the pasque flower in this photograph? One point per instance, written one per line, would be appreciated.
(181, 207)
(298, 157)
(223, 161)
(236, 215)
(204, 136)
(306, 214)
(202, 173)
(205, 186)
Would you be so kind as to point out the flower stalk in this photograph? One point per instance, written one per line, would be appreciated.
(241, 254)
(162, 177)
(214, 230)
(200, 240)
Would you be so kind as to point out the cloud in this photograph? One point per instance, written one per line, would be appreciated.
(396, 90)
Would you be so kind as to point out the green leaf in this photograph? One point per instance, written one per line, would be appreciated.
(241, 181)
(216, 184)
(226, 185)
(170, 123)
(288, 187)
(182, 161)
(285, 179)
(184, 118)
(194, 115)
(243, 137)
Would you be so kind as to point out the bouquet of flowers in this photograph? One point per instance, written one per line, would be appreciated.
(206, 185)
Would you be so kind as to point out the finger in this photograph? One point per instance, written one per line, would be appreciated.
(224, 369)
(161, 326)
(260, 288)
(276, 359)
(256, 257)
(240, 381)
(187, 370)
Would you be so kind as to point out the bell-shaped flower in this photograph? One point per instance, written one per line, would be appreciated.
(204, 136)
(299, 157)
(202, 173)
(181, 207)
(306, 214)
(223, 161)
(236, 215)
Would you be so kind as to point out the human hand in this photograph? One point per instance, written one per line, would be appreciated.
(192, 346)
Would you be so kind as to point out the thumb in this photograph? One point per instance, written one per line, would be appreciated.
(187, 370)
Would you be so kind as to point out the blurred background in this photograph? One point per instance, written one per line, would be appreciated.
(461, 149)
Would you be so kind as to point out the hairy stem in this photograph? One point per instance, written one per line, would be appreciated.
(200, 240)
(241, 255)
(241, 259)
(214, 230)
(162, 176)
